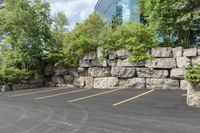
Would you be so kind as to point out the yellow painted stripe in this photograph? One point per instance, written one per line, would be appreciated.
(60, 94)
(37, 92)
(135, 97)
(98, 94)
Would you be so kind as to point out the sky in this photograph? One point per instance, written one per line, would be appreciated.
(75, 10)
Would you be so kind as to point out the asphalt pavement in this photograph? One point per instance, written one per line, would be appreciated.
(75, 110)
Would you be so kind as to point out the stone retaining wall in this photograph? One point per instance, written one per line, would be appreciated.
(165, 71)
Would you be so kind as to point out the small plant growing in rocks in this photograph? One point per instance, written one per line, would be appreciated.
(193, 76)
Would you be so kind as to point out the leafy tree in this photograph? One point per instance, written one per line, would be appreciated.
(84, 38)
(133, 36)
(26, 28)
(59, 32)
(172, 21)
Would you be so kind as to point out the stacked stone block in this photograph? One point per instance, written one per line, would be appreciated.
(165, 71)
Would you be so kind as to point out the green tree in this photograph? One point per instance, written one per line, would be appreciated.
(84, 38)
(26, 29)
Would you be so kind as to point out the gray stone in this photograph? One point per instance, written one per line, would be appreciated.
(198, 50)
(196, 60)
(73, 71)
(123, 72)
(68, 78)
(162, 83)
(100, 52)
(178, 73)
(86, 82)
(25, 77)
(163, 63)
(82, 72)
(84, 63)
(90, 56)
(60, 70)
(178, 52)
(78, 82)
(112, 55)
(106, 83)
(162, 52)
(49, 70)
(95, 63)
(127, 63)
(50, 84)
(135, 83)
(57, 79)
(112, 63)
(35, 81)
(185, 85)
(38, 85)
(4, 88)
(20, 86)
(190, 52)
(99, 72)
(151, 73)
(123, 54)
(183, 62)
(193, 96)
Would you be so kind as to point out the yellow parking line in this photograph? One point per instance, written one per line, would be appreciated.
(60, 94)
(36, 92)
(127, 100)
(98, 94)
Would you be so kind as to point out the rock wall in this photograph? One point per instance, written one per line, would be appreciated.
(165, 71)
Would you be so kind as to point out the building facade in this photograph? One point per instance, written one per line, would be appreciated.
(126, 10)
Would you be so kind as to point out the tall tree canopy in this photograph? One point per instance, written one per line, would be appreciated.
(25, 28)
(173, 21)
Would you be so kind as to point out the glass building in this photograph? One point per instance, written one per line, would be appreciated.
(126, 10)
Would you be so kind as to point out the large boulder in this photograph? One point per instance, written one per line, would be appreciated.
(198, 51)
(162, 52)
(90, 56)
(178, 52)
(84, 63)
(100, 52)
(68, 79)
(193, 96)
(185, 85)
(123, 54)
(106, 83)
(112, 55)
(60, 70)
(178, 73)
(135, 83)
(86, 82)
(58, 80)
(99, 72)
(112, 63)
(96, 63)
(49, 70)
(151, 73)
(190, 52)
(20, 86)
(162, 83)
(163, 63)
(183, 62)
(123, 72)
(196, 60)
(127, 63)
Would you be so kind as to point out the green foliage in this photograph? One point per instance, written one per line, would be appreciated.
(133, 36)
(82, 39)
(10, 74)
(193, 75)
(172, 21)
(26, 29)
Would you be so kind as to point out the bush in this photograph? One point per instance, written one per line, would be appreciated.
(11, 74)
(134, 36)
(193, 75)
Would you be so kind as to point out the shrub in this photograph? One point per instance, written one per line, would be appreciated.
(134, 36)
(11, 74)
(193, 75)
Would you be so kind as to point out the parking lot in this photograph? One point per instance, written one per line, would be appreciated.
(75, 110)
